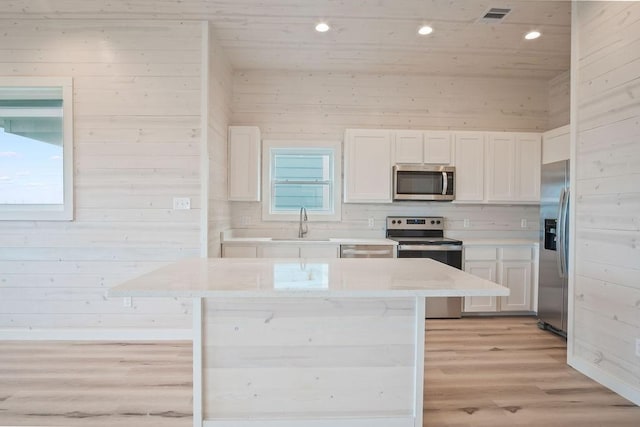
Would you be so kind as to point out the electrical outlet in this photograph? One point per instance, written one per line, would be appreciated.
(371, 222)
(638, 347)
(181, 203)
(245, 220)
(127, 302)
(523, 223)
(465, 223)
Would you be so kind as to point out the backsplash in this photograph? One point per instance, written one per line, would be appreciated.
(484, 221)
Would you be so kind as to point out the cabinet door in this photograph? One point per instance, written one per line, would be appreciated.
(469, 155)
(234, 251)
(437, 147)
(367, 169)
(528, 164)
(486, 270)
(556, 145)
(319, 251)
(279, 251)
(409, 146)
(516, 275)
(501, 167)
(243, 167)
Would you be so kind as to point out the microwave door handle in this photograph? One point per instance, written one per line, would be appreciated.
(445, 183)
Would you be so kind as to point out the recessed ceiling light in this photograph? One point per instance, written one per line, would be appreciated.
(322, 27)
(424, 30)
(532, 35)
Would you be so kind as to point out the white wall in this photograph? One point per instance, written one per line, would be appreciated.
(137, 144)
(606, 300)
(559, 100)
(321, 105)
(220, 93)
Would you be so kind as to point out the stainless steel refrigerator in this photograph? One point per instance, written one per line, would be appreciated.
(554, 238)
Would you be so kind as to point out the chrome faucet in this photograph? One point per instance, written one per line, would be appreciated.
(303, 228)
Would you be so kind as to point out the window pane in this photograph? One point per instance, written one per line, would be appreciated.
(289, 197)
(301, 177)
(31, 152)
(296, 167)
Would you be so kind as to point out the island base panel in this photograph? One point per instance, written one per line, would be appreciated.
(312, 361)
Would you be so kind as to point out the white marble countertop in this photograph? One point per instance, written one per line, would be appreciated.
(308, 241)
(277, 278)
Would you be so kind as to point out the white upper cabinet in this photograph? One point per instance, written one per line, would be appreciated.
(437, 147)
(409, 146)
(432, 147)
(501, 167)
(367, 166)
(528, 166)
(513, 162)
(243, 167)
(555, 145)
(469, 163)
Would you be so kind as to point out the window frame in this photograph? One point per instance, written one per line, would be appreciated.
(334, 147)
(46, 212)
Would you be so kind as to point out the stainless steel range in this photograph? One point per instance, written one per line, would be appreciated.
(423, 237)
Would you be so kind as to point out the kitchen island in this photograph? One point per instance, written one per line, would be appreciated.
(308, 342)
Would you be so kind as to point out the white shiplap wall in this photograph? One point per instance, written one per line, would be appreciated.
(606, 300)
(220, 89)
(559, 105)
(321, 105)
(137, 145)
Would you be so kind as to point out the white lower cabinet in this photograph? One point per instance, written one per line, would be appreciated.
(239, 251)
(486, 270)
(280, 251)
(511, 266)
(516, 275)
(320, 251)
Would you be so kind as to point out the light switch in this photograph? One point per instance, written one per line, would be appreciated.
(181, 203)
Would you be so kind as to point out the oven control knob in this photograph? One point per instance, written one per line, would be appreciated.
(433, 222)
(393, 222)
(437, 222)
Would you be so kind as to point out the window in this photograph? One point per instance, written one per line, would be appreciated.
(36, 149)
(301, 174)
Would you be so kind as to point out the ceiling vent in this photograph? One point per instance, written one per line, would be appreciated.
(494, 15)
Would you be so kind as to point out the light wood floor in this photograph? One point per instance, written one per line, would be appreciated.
(479, 372)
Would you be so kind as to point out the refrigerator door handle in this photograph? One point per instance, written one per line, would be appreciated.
(560, 234)
(565, 216)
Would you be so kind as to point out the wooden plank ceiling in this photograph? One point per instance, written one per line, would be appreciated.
(376, 36)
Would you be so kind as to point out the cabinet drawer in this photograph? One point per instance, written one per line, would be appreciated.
(279, 251)
(232, 251)
(480, 254)
(322, 251)
(516, 253)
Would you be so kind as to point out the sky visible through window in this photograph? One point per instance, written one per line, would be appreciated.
(31, 171)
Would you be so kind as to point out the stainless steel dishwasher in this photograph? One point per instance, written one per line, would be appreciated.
(366, 251)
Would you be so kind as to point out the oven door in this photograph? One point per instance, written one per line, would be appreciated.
(438, 307)
(446, 254)
(417, 182)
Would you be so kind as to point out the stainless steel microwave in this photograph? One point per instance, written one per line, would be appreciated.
(423, 182)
